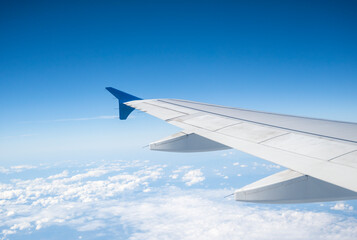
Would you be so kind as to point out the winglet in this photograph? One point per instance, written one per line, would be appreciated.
(123, 97)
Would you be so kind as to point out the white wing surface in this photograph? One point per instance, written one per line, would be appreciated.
(321, 154)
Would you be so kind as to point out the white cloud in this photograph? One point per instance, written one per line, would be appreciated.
(174, 176)
(342, 207)
(227, 154)
(41, 202)
(60, 175)
(266, 166)
(16, 169)
(93, 200)
(183, 215)
(193, 177)
(181, 169)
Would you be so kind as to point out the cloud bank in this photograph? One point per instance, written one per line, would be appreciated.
(128, 199)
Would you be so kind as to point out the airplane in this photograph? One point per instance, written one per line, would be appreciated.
(320, 155)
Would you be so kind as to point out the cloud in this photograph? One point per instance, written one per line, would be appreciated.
(60, 175)
(181, 169)
(174, 176)
(193, 177)
(342, 207)
(218, 173)
(16, 169)
(198, 215)
(41, 202)
(266, 166)
(227, 154)
(126, 195)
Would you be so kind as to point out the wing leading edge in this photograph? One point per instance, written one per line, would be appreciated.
(321, 154)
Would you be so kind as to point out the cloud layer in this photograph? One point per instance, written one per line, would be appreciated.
(134, 200)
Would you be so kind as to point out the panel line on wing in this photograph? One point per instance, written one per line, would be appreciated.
(349, 159)
(270, 125)
(149, 103)
(273, 137)
(251, 132)
(159, 112)
(307, 165)
(318, 155)
(234, 124)
(247, 110)
(343, 155)
(320, 148)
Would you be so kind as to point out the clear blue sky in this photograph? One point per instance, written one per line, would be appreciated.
(56, 58)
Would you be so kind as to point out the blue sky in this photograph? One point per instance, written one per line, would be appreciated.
(60, 140)
(56, 58)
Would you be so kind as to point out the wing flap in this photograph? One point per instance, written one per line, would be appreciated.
(210, 122)
(349, 159)
(252, 132)
(321, 169)
(324, 149)
(325, 128)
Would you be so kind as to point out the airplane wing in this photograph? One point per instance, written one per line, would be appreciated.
(321, 155)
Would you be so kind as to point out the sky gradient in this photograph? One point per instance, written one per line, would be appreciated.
(69, 169)
(56, 58)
